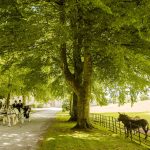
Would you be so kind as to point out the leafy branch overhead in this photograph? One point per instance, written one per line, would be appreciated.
(113, 35)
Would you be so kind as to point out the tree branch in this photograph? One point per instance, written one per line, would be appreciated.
(68, 75)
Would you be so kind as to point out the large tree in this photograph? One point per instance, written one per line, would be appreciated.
(99, 38)
(100, 43)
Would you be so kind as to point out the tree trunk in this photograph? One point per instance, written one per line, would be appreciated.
(24, 99)
(8, 95)
(73, 112)
(80, 81)
(8, 100)
(85, 94)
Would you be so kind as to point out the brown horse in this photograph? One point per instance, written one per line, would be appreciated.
(132, 124)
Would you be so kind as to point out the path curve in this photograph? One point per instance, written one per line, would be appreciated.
(25, 137)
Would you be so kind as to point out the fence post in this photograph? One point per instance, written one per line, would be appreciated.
(96, 119)
(113, 123)
(104, 117)
(106, 122)
(139, 135)
(131, 131)
(109, 123)
(119, 128)
(102, 120)
(93, 117)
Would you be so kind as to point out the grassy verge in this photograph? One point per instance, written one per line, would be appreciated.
(60, 137)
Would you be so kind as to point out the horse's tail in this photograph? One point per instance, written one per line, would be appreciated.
(147, 127)
(146, 130)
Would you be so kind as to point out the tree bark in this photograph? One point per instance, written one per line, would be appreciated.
(24, 99)
(85, 94)
(74, 110)
(9, 93)
(80, 81)
(8, 100)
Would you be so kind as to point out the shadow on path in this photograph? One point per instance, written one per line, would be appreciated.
(26, 136)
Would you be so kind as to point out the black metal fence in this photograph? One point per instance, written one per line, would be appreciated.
(113, 125)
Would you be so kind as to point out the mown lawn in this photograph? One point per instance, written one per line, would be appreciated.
(60, 137)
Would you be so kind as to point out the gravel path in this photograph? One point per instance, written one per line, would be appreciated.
(26, 136)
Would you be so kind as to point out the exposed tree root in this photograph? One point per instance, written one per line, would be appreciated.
(72, 119)
(84, 126)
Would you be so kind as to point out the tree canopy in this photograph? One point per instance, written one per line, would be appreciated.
(99, 47)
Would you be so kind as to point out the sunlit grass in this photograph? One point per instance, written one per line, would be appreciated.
(60, 136)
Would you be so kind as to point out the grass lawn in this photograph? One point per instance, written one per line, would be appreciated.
(60, 137)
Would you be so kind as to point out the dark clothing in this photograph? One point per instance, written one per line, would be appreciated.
(15, 105)
(1, 104)
(19, 106)
(27, 111)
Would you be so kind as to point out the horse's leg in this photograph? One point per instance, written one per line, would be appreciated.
(145, 130)
(9, 121)
(15, 119)
(4, 120)
(12, 117)
(22, 119)
(135, 131)
(127, 132)
(16, 116)
(29, 119)
(131, 133)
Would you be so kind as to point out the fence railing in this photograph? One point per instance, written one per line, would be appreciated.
(117, 127)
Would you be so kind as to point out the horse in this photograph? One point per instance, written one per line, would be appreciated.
(133, 124)
(24, 113)
(27, 111)
(136, 118)
(10, 115)
(21, 115)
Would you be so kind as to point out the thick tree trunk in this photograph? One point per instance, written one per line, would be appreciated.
(83, 113)
(85, 94)
(80, 81)
(74, 110)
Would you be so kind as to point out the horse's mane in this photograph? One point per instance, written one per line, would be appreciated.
(126, 116)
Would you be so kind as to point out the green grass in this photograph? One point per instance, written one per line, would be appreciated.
(144, 115)
(60, 137)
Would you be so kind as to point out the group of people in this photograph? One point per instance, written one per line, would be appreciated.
(18, 105)
(13, 113)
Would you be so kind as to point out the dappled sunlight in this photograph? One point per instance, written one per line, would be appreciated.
(50, 139)
(25, 136)
(51, 108)
(85, 136)
(17, 139)
(6, 143)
